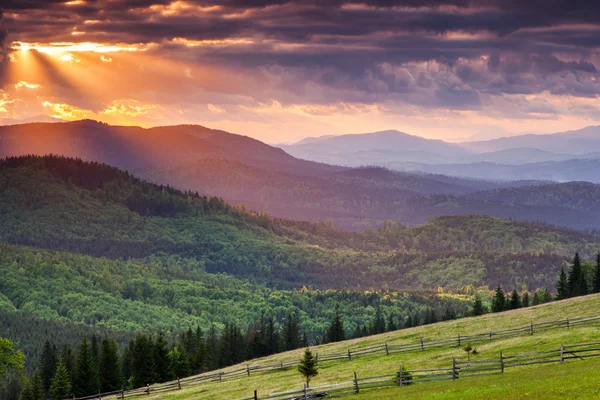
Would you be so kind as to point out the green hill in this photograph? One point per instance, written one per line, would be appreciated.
(573, 379)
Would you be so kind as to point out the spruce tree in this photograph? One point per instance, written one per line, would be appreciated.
(478, 307)
(68, 358)
(515, 300)
(199, 357)
(562, 286)
(526, 299)
(576, 281)
(85, 381)
(391, 323)
(60, 387)
(336, 330)
(409, 322)
(161, 359)
(142, 361)
(48, 362)
(111, 376)
(308, 366)
(596, 283)
(291, 332)
(499, 301)
(34, 388)
(378, 322)
(449, 314)
(535, 300)
(179, 364)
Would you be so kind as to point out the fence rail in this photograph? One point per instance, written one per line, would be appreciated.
(383, 349)
(459, 370)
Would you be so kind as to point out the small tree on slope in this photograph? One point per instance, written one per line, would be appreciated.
(308, 366)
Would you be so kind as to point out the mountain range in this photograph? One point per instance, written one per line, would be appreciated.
(246, 171)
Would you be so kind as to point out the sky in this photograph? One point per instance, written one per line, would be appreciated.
(282, 70)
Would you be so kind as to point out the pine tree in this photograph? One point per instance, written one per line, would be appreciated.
(68, 358)
(478, 307)
(291, 332)
(127, 363)
(60, 387)
(179, 364)
(308, 366)
(378, 322)
(111, 376)
(515, 300)
(391, 323)
(449, 314)
(432, 317)
(525, 299)
(212, 349)
(562, 286)
(596, 283)
(409, 322)
(576, 281)
(536, 298)
(48, 362)
(161, 359)
(85, 381)
(200, 357)
(34, 388)
(499, 301)
(142, 361)
(336, 330)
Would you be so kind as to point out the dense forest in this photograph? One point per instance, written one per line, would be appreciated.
(90, 250)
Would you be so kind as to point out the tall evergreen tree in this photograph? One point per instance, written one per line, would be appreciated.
(161, 359)
(526, 299)
(576, 282)
(60, 387)
(391, 323)
(212, 349)
(308, 366)
(499, 301)
(68, 358)
(378, 322)
(336, 333)
(515, 300)
(179, 363)
(562, 286)
(199, 358)
(409, 322)
(449, 314)
(142, 361)
(478, 307)
(596, 283)
(34, 388)
(127, 363)
(86, 381)
(48, 362)
(111, 376)
(291, 332)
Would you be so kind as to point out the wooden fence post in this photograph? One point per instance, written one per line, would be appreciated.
(356, 389)
(147, 388)
(316, 358)
(422, 346)
(122, 392)
(248, 369)
(568, 323)
(501, 362)
(490, 336)
(459, 340)
(281, 365)
(178, 382)
(349, 355)
(387, 350)
(532, 327)
(561, 353)
(305, 392)
(255, 394)
(454, 372)
(400, 377)
(220, 376)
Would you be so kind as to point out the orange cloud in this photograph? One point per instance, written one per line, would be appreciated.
(66, 111)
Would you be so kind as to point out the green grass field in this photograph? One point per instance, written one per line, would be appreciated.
(573, 379)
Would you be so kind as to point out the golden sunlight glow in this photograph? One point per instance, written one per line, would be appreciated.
(23, 84)
(65, 111)
(129, 108)
(55, 48)
(68, 57)
(216, 42)
(215, 109)
(105, 59)
(4, 101)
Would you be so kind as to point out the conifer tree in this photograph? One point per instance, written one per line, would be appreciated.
(596, 283)
(391, 323)
(576, 281)
(179, 365)
(336, 330)
(34, 388)
(60, 387)
(212, 349)
(48, 362)
(525, 300)
(308, 366)
(515, 300)
(499, 301)
(85, 381)
(378, 322)
(535, 300)
(291, 332)
(562, 286)
(161, 359)
(478, 307)
(449, 314)
(127, 363)
(142, 361)
(68, 358)
(200, 358)
(111, 376)
(409, 322)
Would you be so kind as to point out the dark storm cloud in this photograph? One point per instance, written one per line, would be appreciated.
(445, 52)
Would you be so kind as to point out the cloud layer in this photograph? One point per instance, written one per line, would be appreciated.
(290, 64)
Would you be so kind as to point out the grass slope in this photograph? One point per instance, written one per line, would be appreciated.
(575, 378)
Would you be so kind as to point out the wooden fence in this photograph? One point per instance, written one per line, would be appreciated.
(458, 370)
(349, 355)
